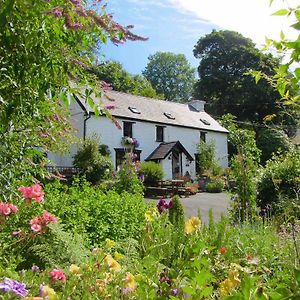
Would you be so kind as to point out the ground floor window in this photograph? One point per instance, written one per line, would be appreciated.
(120, 156)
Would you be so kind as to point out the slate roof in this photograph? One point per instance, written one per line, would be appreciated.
(153, 110)
(164, 149)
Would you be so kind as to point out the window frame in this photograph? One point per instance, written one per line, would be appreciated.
(162, 128)
(203, 136)
(125, 129)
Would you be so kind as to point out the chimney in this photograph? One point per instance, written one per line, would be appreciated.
(197, 105)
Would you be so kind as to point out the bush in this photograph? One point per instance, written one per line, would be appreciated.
(215, 186)
(95, 166)
(153, 172)
(89, 211)
(279, 179)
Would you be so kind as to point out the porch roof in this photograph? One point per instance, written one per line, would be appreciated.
(164, 149)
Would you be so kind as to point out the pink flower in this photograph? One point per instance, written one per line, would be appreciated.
(7, 209)
(38, 224)
(57, 12)
(58, 275)
(48, 218)
(33, 192)
(36, 227)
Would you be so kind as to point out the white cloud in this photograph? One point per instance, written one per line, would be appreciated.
(252, 18)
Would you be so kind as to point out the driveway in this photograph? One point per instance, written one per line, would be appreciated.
(218, 202)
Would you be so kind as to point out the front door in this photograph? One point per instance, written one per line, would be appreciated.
(176, 164)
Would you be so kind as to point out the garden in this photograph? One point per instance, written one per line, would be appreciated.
(94, 236)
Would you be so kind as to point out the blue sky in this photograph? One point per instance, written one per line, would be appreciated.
(176, 25)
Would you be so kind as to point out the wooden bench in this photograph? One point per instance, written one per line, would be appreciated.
(156, 191)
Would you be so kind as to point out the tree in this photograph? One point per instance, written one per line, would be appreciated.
(120, 80)
(171, 75)
(225, 58)
(46, 47)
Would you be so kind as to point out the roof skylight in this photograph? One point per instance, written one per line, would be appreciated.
(134, 110)
(205, 122)
(169, 115)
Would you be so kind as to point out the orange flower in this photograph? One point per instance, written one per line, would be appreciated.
(223, 250)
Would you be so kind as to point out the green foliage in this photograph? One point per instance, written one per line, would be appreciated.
(126, 179)
(176, 214)
(171, 75)
(280, 179)
(280, 142)
(225, 58)
(97, 215)
(95, 166)
(206, 157)
(215, 186)
(153, 172)
(120, 80)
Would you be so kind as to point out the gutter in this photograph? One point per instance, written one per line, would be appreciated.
(88, 116)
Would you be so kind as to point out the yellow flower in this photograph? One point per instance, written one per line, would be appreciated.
(112, 264)
(151, 214)
(47, 291)
(110, 243)
(130, 281)
(192, 224)
(101, 283)
(75, 270)
(230, 283)
(118, 256)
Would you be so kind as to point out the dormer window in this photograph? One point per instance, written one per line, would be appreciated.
(169, 115)
(134, 110)
(205, 122)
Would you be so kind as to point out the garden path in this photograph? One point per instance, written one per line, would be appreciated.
(218, 202)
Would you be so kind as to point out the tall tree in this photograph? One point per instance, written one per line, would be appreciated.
(44, 46)
(225, 58)
(113, 73)
(171, 75)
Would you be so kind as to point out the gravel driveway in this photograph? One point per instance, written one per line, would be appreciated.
(218, 202)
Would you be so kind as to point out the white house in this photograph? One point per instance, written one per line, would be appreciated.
(167, 132)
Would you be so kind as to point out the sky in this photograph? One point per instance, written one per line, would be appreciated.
(177, 25)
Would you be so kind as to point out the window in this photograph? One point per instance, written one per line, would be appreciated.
(205, 122)
(134, 110)
(169, 115)
(127, 129)
(120, 156)
(159, 133)
(203, 136)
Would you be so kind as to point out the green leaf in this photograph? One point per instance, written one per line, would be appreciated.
(281, 12)
(189, 290)
(206, 292)
(297, 273)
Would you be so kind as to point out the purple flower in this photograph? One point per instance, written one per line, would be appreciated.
(110, 106)
(135, 142)
(57, 12)
(162, 205)
(18, 288)
(76, 2)
(35, 268)
(174, 292)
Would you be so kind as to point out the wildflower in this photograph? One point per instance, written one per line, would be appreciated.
(151, 214)
(110, 243)
(110, 106)
(230, 283)
(7, 209)
(112, 263)
(118, 256)
(130, 281)
(249, 257)
(174, 292)
(35, 268)
(223, 250)
(33, 192)
(39, 223)
(56, 12)
(48, 293)
(75, 270)
(76, 2)
(102, 283)
(192, 225)
(58, 275)
(18, 288)
(162, 205)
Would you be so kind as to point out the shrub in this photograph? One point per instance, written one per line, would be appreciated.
(280, 178)
(89, 211)
(153, 172)
(91, 162)
(215, 186)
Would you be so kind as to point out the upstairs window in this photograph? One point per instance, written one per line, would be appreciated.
(203, 136)
(205, 122)
(169, 115)
(134, 110)
(159, 133)
(127, 129)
